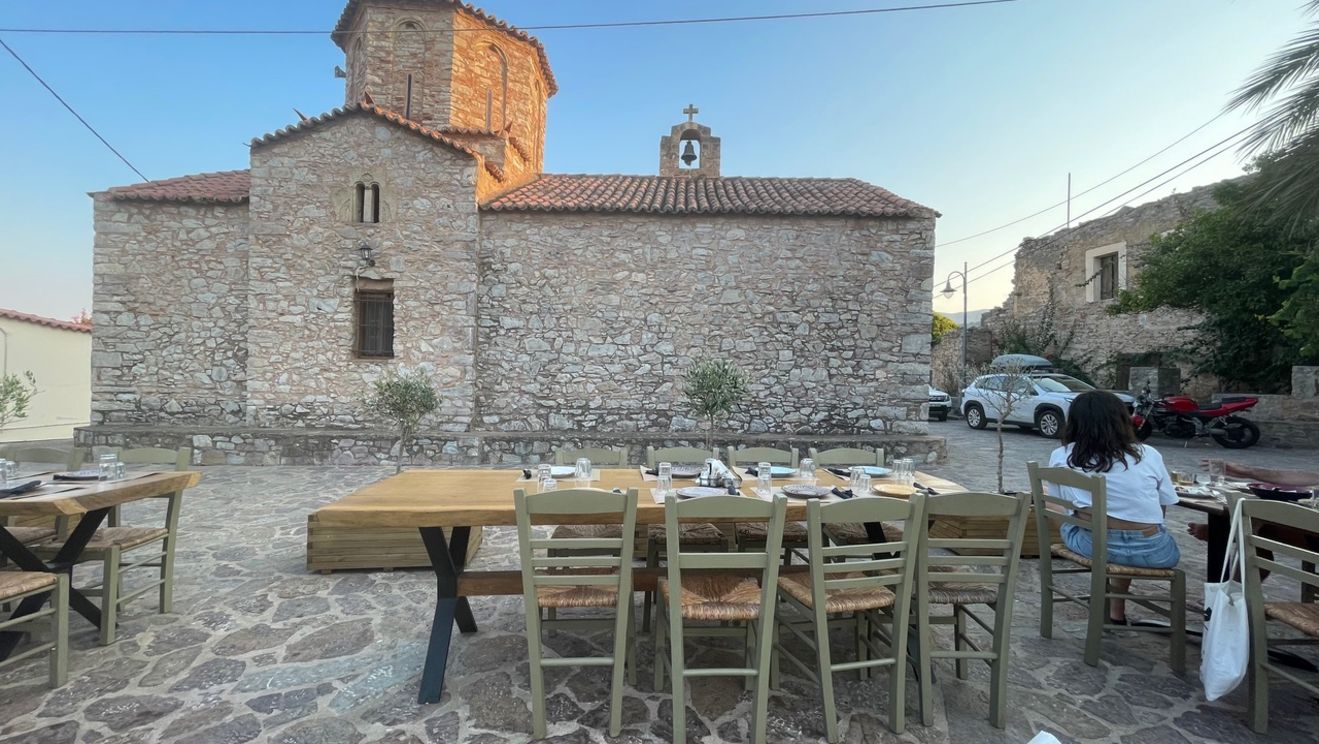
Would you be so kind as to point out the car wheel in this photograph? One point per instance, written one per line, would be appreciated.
(975, 416)
(942, 417)
(1049, 423)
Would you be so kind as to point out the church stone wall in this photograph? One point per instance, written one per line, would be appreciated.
(169, 312)
(304, 266)
(587, 321)
(380, 53)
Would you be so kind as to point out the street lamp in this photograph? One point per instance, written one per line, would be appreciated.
(948, 293)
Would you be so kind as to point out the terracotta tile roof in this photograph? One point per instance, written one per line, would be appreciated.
(364, 108)
(700, 195)
(224, 187)
(49, 322)
(340, 33)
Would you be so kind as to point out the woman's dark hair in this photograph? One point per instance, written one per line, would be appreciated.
(1099, 429)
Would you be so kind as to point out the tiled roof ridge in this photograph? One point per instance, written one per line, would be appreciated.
(214, 187)
(64, 325)
(366, 107)
(649, 194)
(552, 86)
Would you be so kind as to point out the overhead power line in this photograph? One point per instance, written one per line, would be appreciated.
(66, 105)
(546, 27)
(1101, 184)
(1227, 144)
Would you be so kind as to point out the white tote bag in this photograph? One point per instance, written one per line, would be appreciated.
(1225, 650)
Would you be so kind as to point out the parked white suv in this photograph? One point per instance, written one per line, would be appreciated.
(1037, 400)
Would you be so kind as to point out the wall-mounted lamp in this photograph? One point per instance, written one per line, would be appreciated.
(365, 251)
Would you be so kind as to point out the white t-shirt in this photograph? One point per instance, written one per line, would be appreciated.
(1137, 492)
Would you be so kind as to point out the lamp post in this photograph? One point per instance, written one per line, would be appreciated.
(948, 293)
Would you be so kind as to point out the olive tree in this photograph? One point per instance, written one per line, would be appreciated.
(1013, 388)
(405, 398)
(712, 388)
(16, 392)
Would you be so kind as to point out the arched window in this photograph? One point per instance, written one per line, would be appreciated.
(375, 204)
(496, 97)
(366, 203)
(409, 56)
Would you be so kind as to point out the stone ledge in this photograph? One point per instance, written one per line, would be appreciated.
(296, 446)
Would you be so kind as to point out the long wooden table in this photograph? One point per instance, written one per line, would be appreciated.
(89, 502)
(433, 500)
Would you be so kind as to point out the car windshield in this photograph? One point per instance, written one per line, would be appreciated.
(1062, 384)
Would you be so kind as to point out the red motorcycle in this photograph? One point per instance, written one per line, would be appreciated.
(1180, 417)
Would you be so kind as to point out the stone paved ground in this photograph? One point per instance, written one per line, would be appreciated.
(260, 650)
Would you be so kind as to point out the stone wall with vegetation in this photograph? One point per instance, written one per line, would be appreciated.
(169, 312)
(587, 321)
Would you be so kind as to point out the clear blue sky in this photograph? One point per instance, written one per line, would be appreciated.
(978, 112)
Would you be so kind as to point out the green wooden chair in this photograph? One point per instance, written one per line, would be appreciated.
(866, 588)
(15, 586)
(676, 455)
(1101, 571)
(752, 536)
(582, 577)
(753, 455)
(847, 456)
(965, 572)
(599, 456)
(71, 458)
(150, 548)
(1301, 617)
(724, 591)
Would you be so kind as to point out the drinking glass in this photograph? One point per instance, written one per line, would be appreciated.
(806, 471)
(549, 484)
(583, 470)
(106, 463)
(120, 470)
(908, 471)
(862, 487)
(4, 473)
(1203, 479)
(665, 471)
(542, 473)
(764, 479)
(854, 477)
(1216, 472)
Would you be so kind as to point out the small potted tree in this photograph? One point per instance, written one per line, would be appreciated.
(712, 388)
(405, 398)
(16, 392)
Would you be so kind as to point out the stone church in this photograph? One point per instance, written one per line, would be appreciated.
(246, 313)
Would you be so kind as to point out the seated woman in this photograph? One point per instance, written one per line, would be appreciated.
(1099, 439)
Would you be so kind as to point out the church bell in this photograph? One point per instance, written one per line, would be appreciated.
(689, 154)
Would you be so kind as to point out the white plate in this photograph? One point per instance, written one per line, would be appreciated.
(700, 492)
(562, 471)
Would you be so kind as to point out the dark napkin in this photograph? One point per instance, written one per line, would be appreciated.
(842, 493)
(21, 488)
(841, 472)
(926, 489)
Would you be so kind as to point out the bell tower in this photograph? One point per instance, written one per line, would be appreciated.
(689, 149)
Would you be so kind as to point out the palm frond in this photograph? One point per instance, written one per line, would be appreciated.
(1287, 186)
(1291, 117)
(1295, 61)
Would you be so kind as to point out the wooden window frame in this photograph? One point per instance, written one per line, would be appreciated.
(1106, 269)
(375, 294)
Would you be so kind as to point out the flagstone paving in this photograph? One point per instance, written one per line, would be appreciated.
(260, 650)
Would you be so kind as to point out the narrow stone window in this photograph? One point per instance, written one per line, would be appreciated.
(375, 204)
(1108, 280)
(407, 104)
(373, 302)
(359, 201)
(496, 98)
(366, 203)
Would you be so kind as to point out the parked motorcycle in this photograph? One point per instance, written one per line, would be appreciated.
(1180, 417)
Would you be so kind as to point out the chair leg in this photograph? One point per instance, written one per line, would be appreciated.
(537, 672)
(659, 666)
(998, 674)
(167, 576)
(652, 561)
(632, 656)
(749, 653)
(1094, 632)
(959, 639)
(861, 630)
(1046, 596)
(59, 656)
(1178, 622)
(1258, 707)
(824, 669)
(926, 665)
(764, 655)
(622, 644)
(110, 585)
(677, 675)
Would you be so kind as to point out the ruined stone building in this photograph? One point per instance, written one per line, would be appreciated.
(247, 312)
(1074, 276)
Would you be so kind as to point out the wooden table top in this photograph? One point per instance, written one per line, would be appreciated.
(469, 498)
(73, 498)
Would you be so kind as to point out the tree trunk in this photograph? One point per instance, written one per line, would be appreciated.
(709, 436)
(999, 427)
(402, 448)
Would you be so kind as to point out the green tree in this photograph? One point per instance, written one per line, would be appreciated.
(940, 326)
(16, 393)
(406, 398)
(1233, 264)
(712, 388)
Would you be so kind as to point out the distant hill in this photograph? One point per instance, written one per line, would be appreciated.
(972, 317)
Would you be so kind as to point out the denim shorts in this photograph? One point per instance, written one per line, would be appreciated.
(1127, 547)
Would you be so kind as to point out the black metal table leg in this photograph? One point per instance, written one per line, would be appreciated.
(64, 561)
(448, 560)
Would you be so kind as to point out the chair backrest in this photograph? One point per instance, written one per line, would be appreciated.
(1295, 517)
(180, 458)
(727, 509)
(599, 456)
(753, 455)
(890, 564)
(598, 561)
(975, 560)
(682, 455)
(1042, 497)
(71, 458)
(847, 456)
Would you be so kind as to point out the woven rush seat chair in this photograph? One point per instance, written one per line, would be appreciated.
(846, 456)
(865, 588)
(735, 590)
(948, 576)
(33, 531)
(606, 457)
(854, 533)
(16, 586)
(109, 545)
(578, 573)
(753, 535)
(1264, 554)
(1100, 570)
